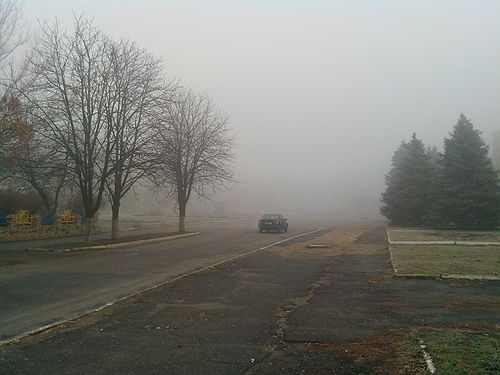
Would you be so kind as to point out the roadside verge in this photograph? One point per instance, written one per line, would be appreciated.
(117, 245)
(452, 259)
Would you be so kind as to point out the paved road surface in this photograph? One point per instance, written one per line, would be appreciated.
(288, 310)
(57, 286)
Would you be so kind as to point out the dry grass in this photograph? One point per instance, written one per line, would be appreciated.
(46, 232)
(341, 240)
(447, 260)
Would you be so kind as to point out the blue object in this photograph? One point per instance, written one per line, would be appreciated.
(83, 217)
(47, 218)
(3, 220)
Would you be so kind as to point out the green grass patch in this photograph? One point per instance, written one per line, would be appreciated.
(407, 356)
(456, 351)
(408, 234)
(447, 260)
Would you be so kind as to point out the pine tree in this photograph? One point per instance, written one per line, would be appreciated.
(434, 155)
(409, 184)
(468, 190)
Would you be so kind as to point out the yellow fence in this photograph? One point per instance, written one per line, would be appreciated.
(23, 217)
(67, 217)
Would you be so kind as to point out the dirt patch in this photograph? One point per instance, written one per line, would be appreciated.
(376, 236)
(378, 355)
(341, 240)
(298, 249)
(471, 303)
(390, 304)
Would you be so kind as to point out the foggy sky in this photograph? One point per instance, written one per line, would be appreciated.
(320, 93)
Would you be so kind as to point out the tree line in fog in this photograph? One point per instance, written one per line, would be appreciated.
(86, 117)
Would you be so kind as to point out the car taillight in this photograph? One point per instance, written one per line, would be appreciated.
(277, 223)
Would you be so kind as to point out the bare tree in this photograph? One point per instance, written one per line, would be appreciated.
(137, 88)
(30, 162)
(13, 131)
(10, 35)
(10, 39)
(193, 150)
(68, 91)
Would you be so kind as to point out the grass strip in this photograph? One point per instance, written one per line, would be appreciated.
(419, 234)
(447, 260)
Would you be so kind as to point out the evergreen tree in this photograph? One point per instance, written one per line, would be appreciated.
(468, 190)
(434, 155)
(409, 184)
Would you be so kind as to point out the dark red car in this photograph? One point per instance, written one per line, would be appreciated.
(273, 222)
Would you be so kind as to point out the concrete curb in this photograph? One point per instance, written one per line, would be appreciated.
(422, 242)
(175, 279)
(471, 277)
(461, 243)
(447, 277)
(392, 260)
(119, 245)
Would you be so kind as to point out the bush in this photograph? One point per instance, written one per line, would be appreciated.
(12, 201)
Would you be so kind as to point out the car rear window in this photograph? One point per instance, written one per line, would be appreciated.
(270, 217)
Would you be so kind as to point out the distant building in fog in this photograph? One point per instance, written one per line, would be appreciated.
(495, 152)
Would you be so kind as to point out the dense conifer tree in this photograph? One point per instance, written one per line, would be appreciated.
(468, 190)
(409, 184)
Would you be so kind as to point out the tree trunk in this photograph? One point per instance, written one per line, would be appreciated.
(45, 199)
(182, 218)
(114, 220)
(88, 229)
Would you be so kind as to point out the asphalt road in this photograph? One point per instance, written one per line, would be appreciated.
(288, 310)
(53, 287)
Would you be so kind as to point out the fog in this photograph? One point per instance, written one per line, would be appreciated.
(320, 93)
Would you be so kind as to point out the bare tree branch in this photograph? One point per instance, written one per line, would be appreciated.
(10, 29)
(10, 39)
(30, 161)
(193, 150)
(67, 89)
(137, 88)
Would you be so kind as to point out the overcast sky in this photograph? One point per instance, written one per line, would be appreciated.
(320, 93)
